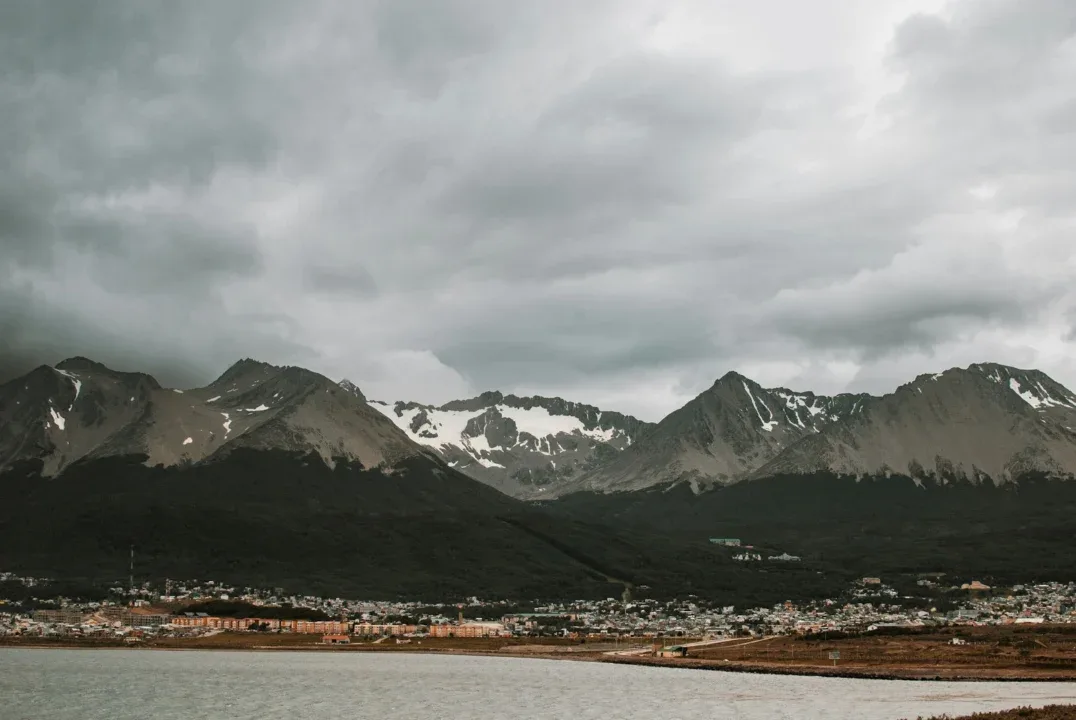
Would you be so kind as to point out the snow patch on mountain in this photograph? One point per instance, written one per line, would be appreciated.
(1027, 397)
(75, 381)
(767, 425)
(57, 417)
(1041, 399)
(444, 429)
(539, 422)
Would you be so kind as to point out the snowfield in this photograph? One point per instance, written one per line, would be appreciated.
(446, 428)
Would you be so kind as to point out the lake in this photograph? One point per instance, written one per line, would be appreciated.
(122, 684)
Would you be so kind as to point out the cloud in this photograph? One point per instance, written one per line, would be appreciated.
(616, 202)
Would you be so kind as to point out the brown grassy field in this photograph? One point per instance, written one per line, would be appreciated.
(1050, 712)
(1040, 652)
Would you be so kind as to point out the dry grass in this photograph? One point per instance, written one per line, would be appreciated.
(1041, 649)
(1050, 712)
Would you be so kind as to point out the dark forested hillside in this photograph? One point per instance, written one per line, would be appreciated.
(1015, 532)
(421, 532)
(425, 531)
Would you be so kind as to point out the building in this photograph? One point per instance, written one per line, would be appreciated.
(325, 627)
(144, 619)
(672, 651)
(336, 640)
(727, 542)
(322, 627)
(975, 586)
(525, 622)
(468, 630)
(374, 630)
(67, 616)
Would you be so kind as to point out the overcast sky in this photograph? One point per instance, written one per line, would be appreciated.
(615, 202)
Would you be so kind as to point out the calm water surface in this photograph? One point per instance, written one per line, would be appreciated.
(122, 684)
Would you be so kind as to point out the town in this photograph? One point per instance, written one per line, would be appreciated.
(186, 609)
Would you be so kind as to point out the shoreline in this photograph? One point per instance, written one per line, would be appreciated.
(904, 673)
(908, 674)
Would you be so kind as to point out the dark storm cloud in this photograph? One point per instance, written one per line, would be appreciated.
(115, 119)
(618, 201)
(877, 321)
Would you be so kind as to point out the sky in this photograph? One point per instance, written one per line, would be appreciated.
(615, 202)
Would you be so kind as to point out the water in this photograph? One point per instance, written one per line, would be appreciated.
(129, 684)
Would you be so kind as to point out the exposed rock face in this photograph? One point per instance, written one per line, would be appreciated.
(720, 436)
(524, 446)
(82, 409)
(986, 422)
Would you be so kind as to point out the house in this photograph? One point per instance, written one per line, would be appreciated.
(670, 652)
(336, 640)
(727, 542)
(958, 641)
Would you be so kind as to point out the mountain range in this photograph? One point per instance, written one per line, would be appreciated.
(987, 422)
(279, 475)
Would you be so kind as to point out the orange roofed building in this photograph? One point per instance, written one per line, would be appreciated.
(469, 630)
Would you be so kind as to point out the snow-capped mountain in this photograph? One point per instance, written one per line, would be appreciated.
(984, 422)
(524, 446)
(81, 409)
(988, 421)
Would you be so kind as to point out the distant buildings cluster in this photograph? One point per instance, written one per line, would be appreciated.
(868, 603)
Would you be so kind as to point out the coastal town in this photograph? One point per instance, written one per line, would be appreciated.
(185, 609)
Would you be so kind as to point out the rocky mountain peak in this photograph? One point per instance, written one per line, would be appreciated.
(79, 362)
(485, 400)
(732, 378)
(352, 388)
(79, 365)
(244, 369)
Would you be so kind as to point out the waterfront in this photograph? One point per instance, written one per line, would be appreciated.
(128, 684)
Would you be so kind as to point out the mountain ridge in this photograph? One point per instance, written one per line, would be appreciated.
(737, 430)
(985, 422)
(83, 409)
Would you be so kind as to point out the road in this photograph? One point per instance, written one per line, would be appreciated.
(698, 644)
